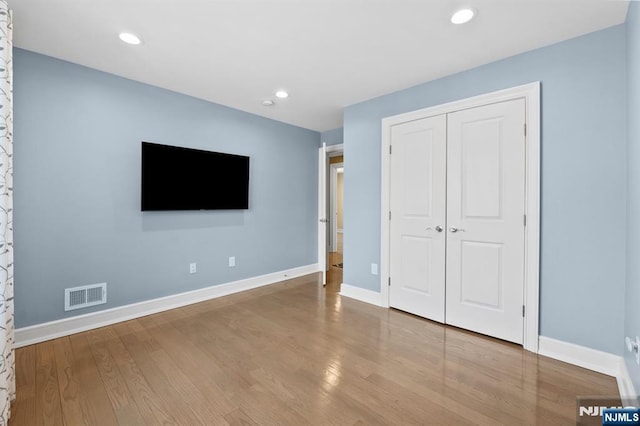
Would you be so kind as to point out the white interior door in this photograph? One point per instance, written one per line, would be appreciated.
(322, 212)
(485, 219)
(418, 199)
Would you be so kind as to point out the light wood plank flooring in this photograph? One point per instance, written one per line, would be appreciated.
(291, 354)
(334, 273)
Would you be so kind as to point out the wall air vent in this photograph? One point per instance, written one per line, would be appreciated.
(85, 296)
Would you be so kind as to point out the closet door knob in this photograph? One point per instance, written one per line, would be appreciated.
(439, 228)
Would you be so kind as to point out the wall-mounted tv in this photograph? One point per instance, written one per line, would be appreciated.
(175, 178)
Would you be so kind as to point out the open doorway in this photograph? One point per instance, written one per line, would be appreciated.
(330, 215)
(335, 229)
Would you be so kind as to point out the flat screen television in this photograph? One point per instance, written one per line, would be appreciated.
(175, 178)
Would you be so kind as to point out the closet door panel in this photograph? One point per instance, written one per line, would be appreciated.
(418, 200)
(485, 219)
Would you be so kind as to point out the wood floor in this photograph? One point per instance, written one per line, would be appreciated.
(291, 354)
(334, 273)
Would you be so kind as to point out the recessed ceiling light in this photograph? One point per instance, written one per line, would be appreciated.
(268, 103)
(130, 38)
(282, 94)
(463, 16)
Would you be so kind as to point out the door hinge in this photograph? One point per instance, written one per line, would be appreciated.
(525, 129)
(525, 220)
(522, 311)
(389, 281)
(389, 149)
(389, 214)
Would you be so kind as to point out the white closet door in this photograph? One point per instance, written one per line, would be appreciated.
(485, 219)
(417, 198)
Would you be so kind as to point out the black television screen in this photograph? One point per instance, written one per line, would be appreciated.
(175, 178)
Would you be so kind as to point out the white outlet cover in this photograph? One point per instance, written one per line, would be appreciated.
(634, 347)
(232, 261)
(629, 343)
(192, 268)
(374, 269)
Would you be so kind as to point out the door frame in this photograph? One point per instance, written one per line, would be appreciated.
(333, 204)
(329, 151)
(531, 93)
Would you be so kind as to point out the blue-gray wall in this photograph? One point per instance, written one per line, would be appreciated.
(632, 319)
(77, 199)
(582, 273)
(332, 137)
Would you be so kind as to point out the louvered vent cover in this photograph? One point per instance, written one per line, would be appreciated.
(84, 296)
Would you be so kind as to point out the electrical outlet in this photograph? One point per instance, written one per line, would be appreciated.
(633, 346)
(374, 269)
(192, 268)
(232, 261)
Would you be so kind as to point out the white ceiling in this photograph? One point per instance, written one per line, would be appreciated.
(327, 53)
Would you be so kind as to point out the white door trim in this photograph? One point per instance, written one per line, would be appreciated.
(332, 149)
(333, 204)
(531, 94)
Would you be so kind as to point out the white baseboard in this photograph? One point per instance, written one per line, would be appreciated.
(64, 327)
(361, 294)
(625, 386)
(591, 359)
